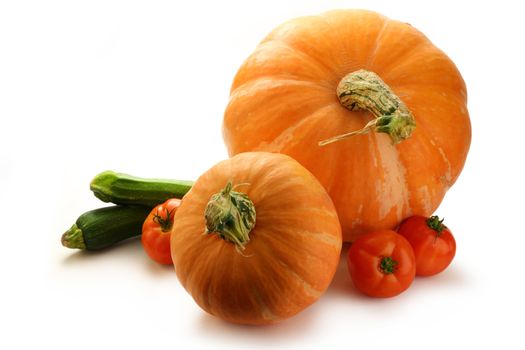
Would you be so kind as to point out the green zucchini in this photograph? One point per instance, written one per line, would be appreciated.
(119, 188)
(100, 228)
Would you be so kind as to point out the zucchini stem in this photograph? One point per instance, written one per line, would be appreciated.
(73, 238)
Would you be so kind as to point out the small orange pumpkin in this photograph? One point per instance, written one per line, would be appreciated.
(319, 79)
(257, 239)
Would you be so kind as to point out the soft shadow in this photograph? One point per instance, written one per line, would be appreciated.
(157, 269)
(453, 277)
(130, 250)
(273, 333)
(130, 247)
(342, 285)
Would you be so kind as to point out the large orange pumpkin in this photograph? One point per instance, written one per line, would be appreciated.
(257, 239)
(315, 78)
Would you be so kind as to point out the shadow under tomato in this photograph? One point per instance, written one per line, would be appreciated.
(452, 277)
(157, 269)
(343, 287)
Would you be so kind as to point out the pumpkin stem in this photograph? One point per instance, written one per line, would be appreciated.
(231, 215)
(364, 90)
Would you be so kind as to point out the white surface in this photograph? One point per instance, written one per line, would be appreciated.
(140, 87)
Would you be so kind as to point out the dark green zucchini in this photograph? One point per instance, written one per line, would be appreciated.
(100, 228)
(119, 188)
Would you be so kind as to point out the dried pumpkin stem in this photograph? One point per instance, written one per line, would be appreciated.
(364, 90)
(230, 215)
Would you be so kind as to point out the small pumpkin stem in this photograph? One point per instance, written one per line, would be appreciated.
(365, 90)
(231, 215)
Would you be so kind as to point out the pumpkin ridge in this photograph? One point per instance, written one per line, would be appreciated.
(435, 128)
(231, 272)
(446, 178)
(386, 68)
(277, 238)
(269, 307)
(377, 43)
(343, 50)
(382, 146)
(268, 59)
(215, 277)
(256, 82)
(312, 59)
(436, 85)
(421, 44)
(324, 237)
(277, 143)
(192, 275)
(266, 312)
(304, 56)
(268, 91)
(434, 141)
(393, 69)
(427, 201)
(284, 79)
(319, 236)
(317, 211)
(324, 121)
(335, 32)
(308, 289)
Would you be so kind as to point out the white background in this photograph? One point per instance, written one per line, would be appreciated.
(140, 87)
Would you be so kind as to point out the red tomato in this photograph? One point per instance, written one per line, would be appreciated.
(381, 263)
(156, 231)
(433, 243)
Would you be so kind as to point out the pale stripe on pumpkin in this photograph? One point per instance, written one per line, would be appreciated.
(393, 191)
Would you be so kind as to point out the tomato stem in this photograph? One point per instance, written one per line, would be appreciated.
(166, 222)
(387, 265)
(231, 215)
(437, 225)
(365, 90)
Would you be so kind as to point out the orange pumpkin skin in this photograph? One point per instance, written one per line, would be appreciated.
(283, 100)
(292, 254)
